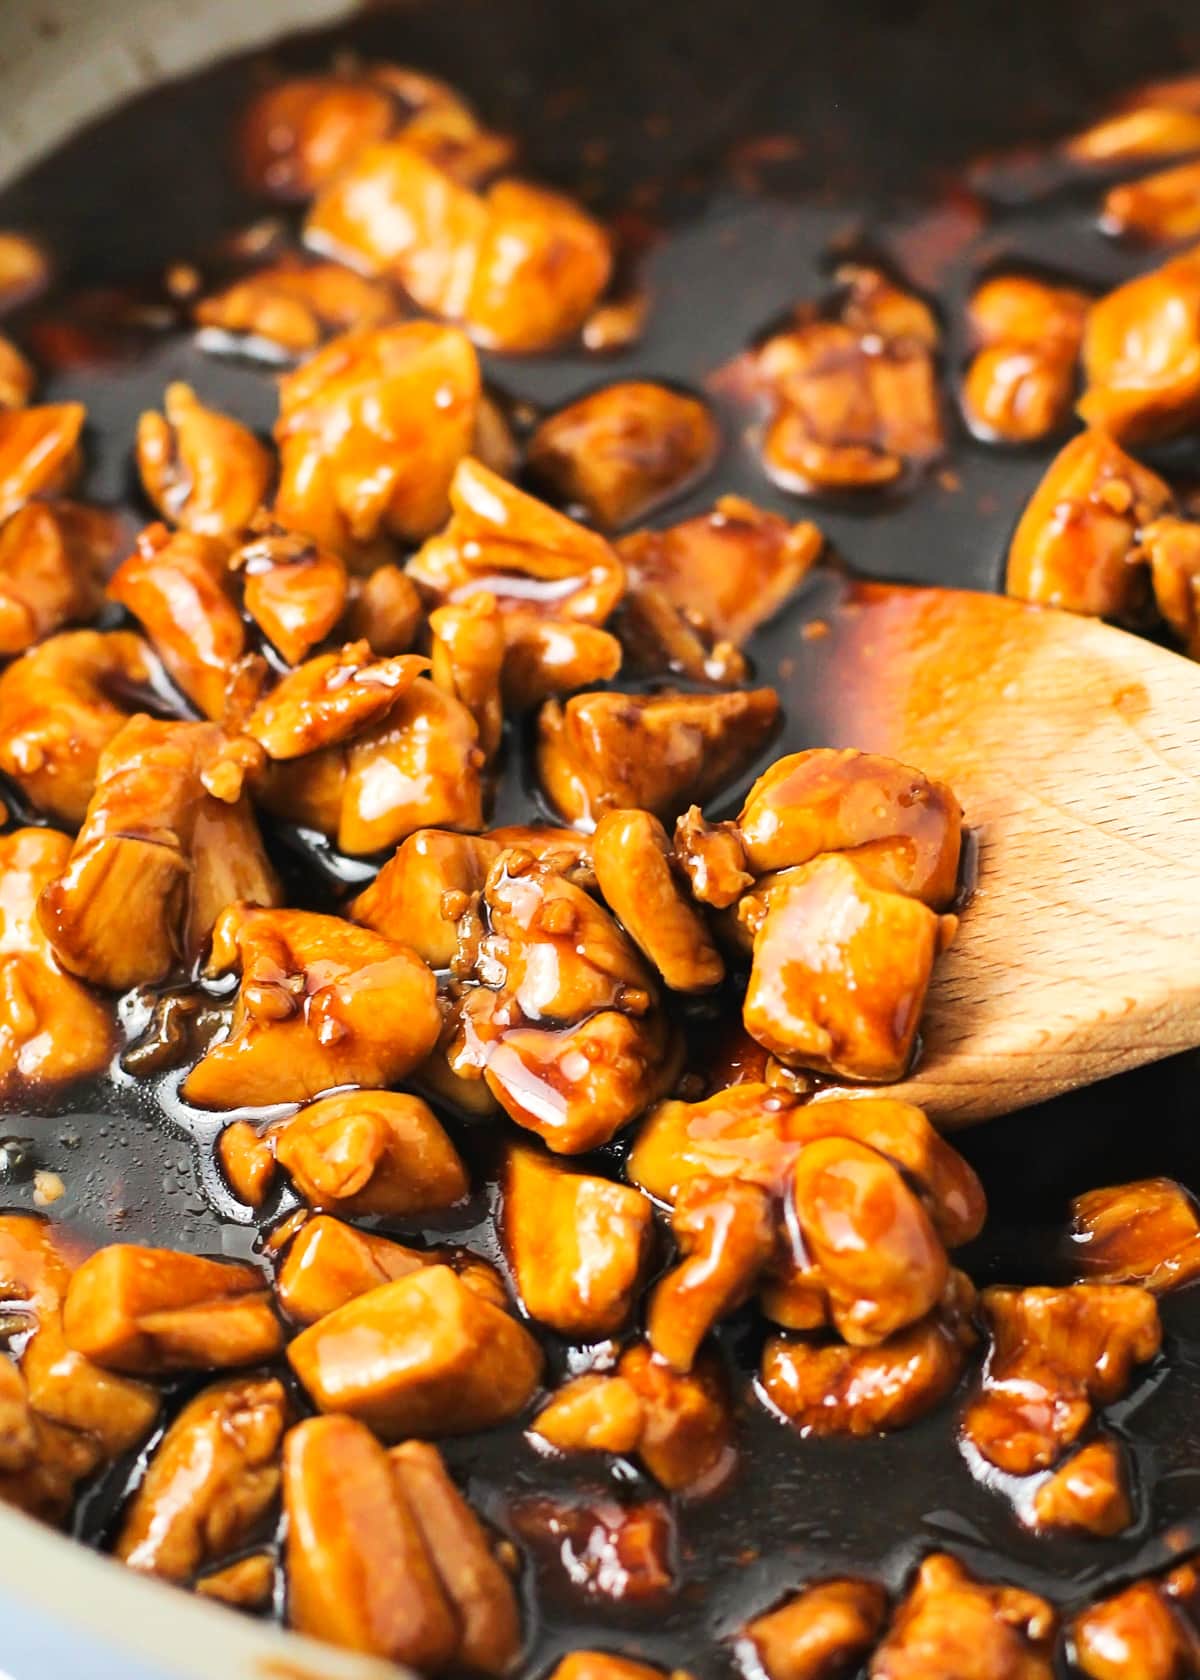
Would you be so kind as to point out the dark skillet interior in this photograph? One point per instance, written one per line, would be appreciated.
(640, 108)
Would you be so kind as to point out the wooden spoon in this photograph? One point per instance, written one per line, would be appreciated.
(1075, 750)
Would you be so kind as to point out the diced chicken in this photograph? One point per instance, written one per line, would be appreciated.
(1141, 353)
(39, 452)
(821, 1633)
(1021, 380)
(554, 656)
(202, 470)
(1138, 1634)
(294, 590)
(633, 869)
(726, 1235)
(328, 1263)
(248, 1584)
(370, 1152)
(952, 1627)
(1089, 1494)
(712, 857)
(592, 1413)
(687, 1442)
(1147, 1232)
(1159, 208)
(294, 306)
(467, 648)
(423, 891)
(53, 557)
(247, 1161)
(385, 610)
(330, 699)
(1170, 547)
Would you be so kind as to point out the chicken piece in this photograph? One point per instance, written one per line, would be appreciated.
(531, 558)
(60, 705)
(370, 431)
(576, 1087)
(575, 1244)
(330, 699)
(1056, 1354)
(1079, 531)
(293, 590)
(299, 134)
(1141, 354)
(156, 861)
(712, 857)
(424, 1355)
(18, 1433)
(1159, 209)
(24, 269)
(554, 656)
(292, 307)
(1146, 131)
(53, 556)
(321, 1004)
(904, 830)
(687, 1441)
(1019, 385)
(17, 378)
(39, 452)
(210, 1482)
(633, 869)
(329, 1263)
(658, 752)
(51, 1027)
(726, 1234)
(472, 1578)
(823, 1632)
(606, 1552)
(358, 1570)
(385, 610)
(604, 1665)
(247, 1162)
(203, 471)
(592, 1413)
(1134, 1635)
(419, 767)
(704, 586)
(467, 650)
(868, 1236)
(152, 1310)
(622, 450)
(1089, 1494)
(952, 1627)
(1171, 548)
(519, 265)
(855, 397)
(423, 891)
(176, 585)
(841, 968)
(1146, 1232)
(248, 1584)
(751, 1132)
(370, 1152)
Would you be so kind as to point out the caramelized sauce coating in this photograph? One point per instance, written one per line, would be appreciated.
(1141, 353)
(623, 449)
(1088, 1494)
(575, 1244)
(203, 471)
(431, 875)
(53, 559)
(370, 1152)
(370, 431)
(331, 698)
(39, 452)
(1147, 1232)
(687, 1440)
(294, 591)
(952, 1627)
(659, 753)
(423, 1355)
(320, 1004)
(467, 649)
(1078, 533)
(822, 1632)
(633, 871)
(248, 1584)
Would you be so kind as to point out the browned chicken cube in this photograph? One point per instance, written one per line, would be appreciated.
(1147, 1232)
(152, 1310)
(53, 557)
(39, 452)
(321, 1004)
(210, 1482)
(203, 471)
(51, 1027)
(542, 264)
(687, 1441)
(726, 1234)
(1078, 533)
(554, 656)
(425, 1355)
(156, 861)
(419, 767)
(712, 857)
(294, 590)
(291, 307)
(423, 891)
(1141, 353)
(1056, 1354)
(60, 705)
(370, 431)
(1089, 1494)
(752, 1132)
(592, 1413)
(385, 610)
(1171, 549)
(832, 1388)
(659, 752)
(633, 870)
(823, 1632)
(952, 1627)
(328, 1263)
(1159, 208)
(623, 449)
(370, 1152)
(1021, 380)
(298, 133)
(1135, 1635)
(467, 648)
(331, 698)
(358, 1570)
(471, 1576)
(1147, 130)
(247, 1161)
(176, 585)
(840, 970)
(575, 1243)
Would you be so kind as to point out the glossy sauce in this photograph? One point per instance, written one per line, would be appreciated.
(732, 228)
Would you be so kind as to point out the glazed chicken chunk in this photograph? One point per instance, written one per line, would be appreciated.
(1089, 1494)
(203, 471)
(369, 1152)
(328, 1263)
(823, 1631)
(952, 1627)
(40, 452)
(294, 590)
(53, 558)
(634, 873)
(1141, 353)
(1019, 385)
(1147, 1232)
(292, 307)
(1147, 1631)
(1159, 208)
